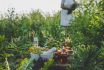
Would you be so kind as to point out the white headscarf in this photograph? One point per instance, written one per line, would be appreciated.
(68, 3)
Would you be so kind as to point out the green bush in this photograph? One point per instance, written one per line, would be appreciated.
(87, 36)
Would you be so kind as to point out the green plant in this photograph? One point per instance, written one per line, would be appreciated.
(86, 33)
(87, 28)
(25, 64)
(87, 58)
(47, 65)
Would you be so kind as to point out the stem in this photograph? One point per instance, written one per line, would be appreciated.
(7, 64)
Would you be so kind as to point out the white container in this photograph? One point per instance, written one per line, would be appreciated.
(35, 41)
(46, 55)
(52, 50)
(34, 56)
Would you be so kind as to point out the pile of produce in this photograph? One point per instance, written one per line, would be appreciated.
(36, 49)
(64, 51)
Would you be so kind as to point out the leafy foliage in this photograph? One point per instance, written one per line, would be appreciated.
(87, 37)
(86, 33)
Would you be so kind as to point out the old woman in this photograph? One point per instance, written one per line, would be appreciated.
(66, 13)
